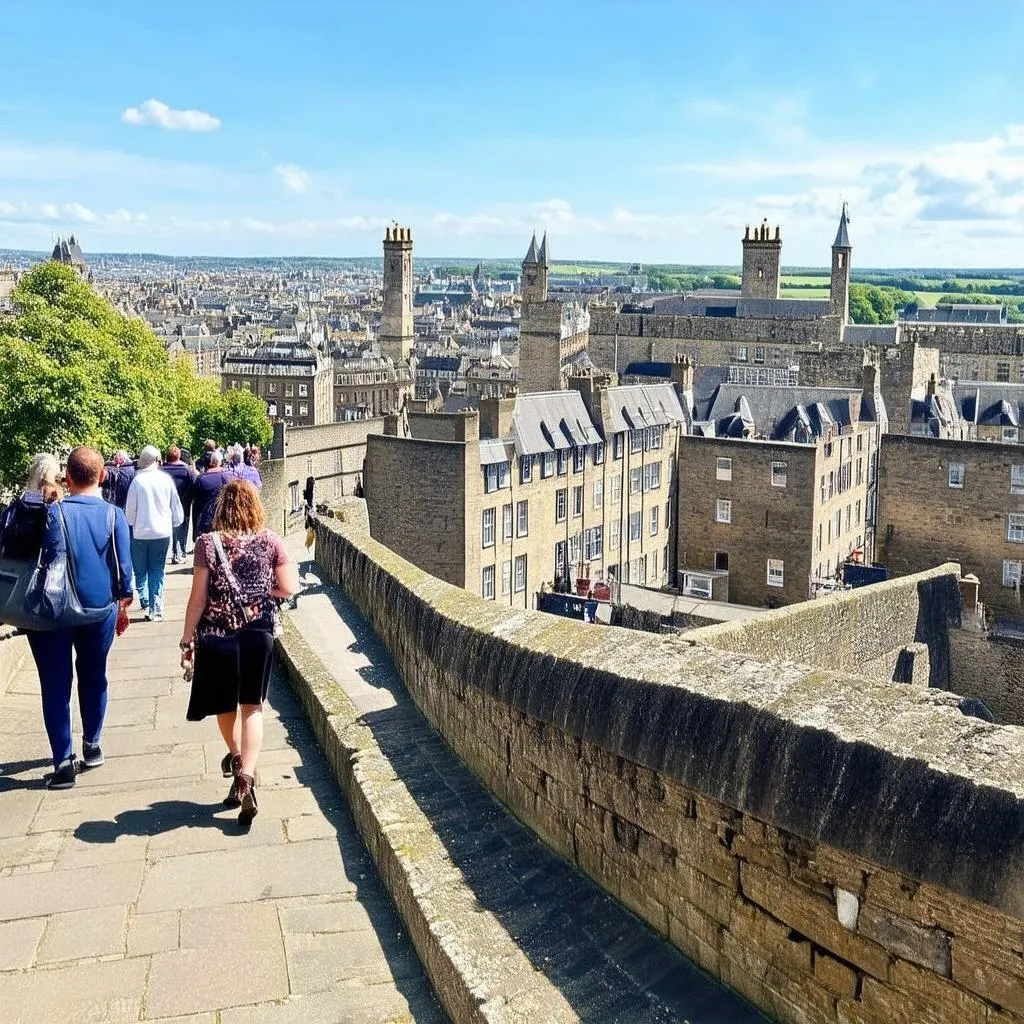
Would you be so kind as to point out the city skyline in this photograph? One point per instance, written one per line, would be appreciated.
(193, 134)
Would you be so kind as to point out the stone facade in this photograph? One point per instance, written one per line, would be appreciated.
(805, 882)
(990, 668)
(598, 511)
(396, 324)
(963, 501)
(762, 262)
(332, 454)
(780, 517)
(370, 386)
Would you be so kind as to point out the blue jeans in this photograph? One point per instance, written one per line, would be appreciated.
(148, 557)
(52, 654)
(179, 540)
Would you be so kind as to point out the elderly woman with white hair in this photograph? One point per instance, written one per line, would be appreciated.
(23, 522)
(153, 509)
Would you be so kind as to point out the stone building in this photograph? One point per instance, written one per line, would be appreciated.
(69, 252)
(395, 335)
(777, 489)
(294, 378)
(544, 489)
(762, 262)
(963, 501)
(553, 335)
(367, 384)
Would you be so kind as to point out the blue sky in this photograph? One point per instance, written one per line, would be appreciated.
(649, 131)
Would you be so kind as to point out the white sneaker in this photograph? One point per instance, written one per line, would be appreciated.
(156, 617)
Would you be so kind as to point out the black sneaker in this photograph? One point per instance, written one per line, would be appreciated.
(92, 756)
(64, 776)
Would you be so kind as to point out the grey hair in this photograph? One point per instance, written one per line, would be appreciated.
(215, 459)
(43, 469)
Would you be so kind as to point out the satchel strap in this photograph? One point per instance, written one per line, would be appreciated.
(236, 590)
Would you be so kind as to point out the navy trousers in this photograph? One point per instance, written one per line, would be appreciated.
(52, 652)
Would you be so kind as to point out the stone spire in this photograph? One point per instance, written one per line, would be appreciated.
(531, 253)
(842, 235)
(543, 256)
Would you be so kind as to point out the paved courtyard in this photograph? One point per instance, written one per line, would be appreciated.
(135, 896)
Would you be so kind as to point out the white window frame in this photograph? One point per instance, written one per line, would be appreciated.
(1011, 572)
(955, 475)
(697, 585)
(561, 504)
(519, 575)
(654, 521)
(488, 520)
(487, 583)
(1010, 435)
(507, 521)
(598, 454)
(779, 474)
(1017, 485)
(598, 494)
(506, 577)
(525, 469)
(547, 465)
(523, 519)
(723, 468)
(577, 500)
(1015, 527)
(635, 526)
(723, 510)
(616, 489)
(579, 459)
(776, 572)
(636, 479)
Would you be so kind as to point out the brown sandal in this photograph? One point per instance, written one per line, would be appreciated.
(234, 766)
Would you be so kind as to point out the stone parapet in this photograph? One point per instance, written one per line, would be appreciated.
(833, 848)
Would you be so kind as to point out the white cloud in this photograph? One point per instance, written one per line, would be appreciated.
(54, 215)
(295, 179)
(154, 112)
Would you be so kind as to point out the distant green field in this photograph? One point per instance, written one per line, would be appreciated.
(802, 293)
(822, 280)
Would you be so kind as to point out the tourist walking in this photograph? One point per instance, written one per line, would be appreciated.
(208, 485)
(124, 470)
(153, 510)
(228, 638)
(242, 470)
(184, 478)
(103, 576)
(23, 522)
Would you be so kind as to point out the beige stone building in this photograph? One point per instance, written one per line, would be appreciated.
(546, 489)
(943, 500)
(367, 385)
(777, 489)
(294, 379)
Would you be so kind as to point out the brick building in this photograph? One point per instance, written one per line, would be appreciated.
(777, 488)
(294, 379)
(944, 500)
(544, 489)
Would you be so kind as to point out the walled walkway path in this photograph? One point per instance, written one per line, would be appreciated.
(607, 966)
(135, 897)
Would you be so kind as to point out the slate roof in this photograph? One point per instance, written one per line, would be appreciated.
(531, 253)
(961, 313)
(782, 413)
(635, 406)
(549, 420)
(990, 404)
(731, 304)
(870, 334)
(842, 235)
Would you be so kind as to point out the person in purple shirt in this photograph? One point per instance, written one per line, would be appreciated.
(184, 477)
(238, 468)
(103, 577)
(205, 490)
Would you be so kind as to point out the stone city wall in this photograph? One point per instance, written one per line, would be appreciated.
(13, 651)
(833, 849)
(990, 668)
(865, 631)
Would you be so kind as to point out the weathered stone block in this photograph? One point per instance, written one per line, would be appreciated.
(987, 981)
(928, 947)
(835, 976)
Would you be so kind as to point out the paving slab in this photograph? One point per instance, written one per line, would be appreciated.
(136, 897)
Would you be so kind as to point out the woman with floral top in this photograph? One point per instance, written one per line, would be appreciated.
(240, 568)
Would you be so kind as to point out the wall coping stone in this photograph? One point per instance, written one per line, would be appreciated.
(895, 775)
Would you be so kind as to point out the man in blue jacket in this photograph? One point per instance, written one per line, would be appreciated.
(103, 577)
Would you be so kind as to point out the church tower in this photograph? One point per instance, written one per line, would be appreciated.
(396, 330)
(535, 271)
(839, 291)
(762, 260)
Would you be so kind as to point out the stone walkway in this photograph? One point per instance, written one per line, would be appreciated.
(135, 897)
(605, 963)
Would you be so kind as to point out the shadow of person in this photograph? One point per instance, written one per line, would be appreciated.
(13, 768)
(163, 816)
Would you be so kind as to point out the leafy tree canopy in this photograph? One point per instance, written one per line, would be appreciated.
(870, 304)
(75, 371)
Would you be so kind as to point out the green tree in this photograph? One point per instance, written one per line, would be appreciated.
(75, 371)
(236, 416)
(861, 310)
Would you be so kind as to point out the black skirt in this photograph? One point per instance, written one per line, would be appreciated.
(230, 671)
